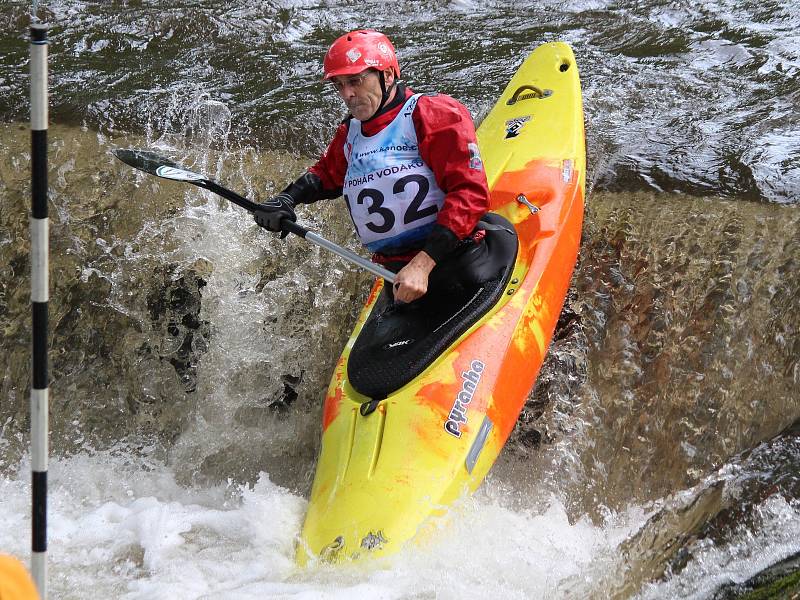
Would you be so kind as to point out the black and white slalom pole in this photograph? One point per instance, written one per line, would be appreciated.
(39, 299)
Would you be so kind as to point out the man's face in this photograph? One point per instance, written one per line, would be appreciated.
(362, 93)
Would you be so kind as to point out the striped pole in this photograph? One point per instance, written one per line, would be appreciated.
(39, 299)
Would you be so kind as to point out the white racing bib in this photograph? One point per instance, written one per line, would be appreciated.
(391, 193)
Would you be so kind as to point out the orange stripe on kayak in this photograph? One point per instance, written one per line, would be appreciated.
(333, 401)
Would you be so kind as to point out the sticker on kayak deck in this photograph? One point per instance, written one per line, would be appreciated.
(514, 126)
(458, 414)
(177, 174)
(566, 170)
(373, 540)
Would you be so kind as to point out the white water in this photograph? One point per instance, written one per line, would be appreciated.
(120, 527)
(746, 555)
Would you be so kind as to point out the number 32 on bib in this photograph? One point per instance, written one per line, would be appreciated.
(390, 192)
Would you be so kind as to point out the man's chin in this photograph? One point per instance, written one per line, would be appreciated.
(360, 112)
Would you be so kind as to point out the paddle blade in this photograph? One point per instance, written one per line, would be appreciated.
(155, 164)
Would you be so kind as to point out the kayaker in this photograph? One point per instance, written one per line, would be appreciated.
(407, 164)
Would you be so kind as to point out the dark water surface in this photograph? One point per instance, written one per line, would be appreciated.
(691, 97)
(658, 454)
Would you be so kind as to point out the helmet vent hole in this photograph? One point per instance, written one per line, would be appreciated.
(564, 67)
(349, 38)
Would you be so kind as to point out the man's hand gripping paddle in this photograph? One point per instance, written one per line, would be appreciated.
(152, 163)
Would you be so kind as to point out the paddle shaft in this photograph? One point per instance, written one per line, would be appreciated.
(299, 230)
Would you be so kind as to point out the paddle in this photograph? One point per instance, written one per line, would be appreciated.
(157, 165)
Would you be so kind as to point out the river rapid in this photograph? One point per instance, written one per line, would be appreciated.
(658, 455)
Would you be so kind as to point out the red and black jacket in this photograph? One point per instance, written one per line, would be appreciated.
(444, 131)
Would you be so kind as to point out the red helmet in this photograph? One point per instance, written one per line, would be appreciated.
(360, 50)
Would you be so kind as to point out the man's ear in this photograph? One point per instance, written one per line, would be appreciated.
(388, 77)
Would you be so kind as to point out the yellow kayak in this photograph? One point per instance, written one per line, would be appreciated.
(394, 459)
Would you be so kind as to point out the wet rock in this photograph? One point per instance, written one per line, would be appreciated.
(779, 582)
(110, 376)
(174, 309)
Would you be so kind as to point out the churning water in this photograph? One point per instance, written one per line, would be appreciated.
(657, 456)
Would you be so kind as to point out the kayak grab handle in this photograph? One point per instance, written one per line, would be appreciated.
(534, 92)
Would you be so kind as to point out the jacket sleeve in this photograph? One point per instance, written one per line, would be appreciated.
(448, 145)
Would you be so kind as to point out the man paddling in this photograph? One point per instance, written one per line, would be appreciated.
(407, 164)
